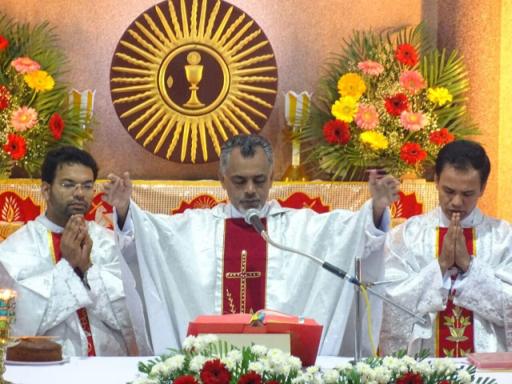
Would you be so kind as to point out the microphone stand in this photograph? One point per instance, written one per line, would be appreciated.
(354, 280)
(358, 327)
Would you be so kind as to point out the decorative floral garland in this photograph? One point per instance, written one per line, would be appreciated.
(206, 360)
(33, 113)
(390, 101)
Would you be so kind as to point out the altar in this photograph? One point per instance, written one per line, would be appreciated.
(121, 370)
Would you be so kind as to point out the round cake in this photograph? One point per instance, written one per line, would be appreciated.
(35, 349)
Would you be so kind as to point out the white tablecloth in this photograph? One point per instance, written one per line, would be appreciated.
(120, 370)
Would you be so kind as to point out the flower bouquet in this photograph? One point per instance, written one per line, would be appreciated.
(389, 101)
(206, 360)
(34, 116)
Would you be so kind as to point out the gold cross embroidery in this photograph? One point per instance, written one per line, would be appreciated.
(243, 275)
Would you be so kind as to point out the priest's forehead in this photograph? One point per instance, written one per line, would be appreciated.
(247, 146)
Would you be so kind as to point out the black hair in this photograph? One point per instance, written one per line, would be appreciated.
(66, 155)
(247, 145)
(463, 155)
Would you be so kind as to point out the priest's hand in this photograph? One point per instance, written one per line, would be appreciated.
(75, 244)
(384, 191)
(462, 256)
(86, 253)
(447, 257)
(118, 193)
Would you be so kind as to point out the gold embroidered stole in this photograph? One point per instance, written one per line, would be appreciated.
(453, 333)
(244, 275)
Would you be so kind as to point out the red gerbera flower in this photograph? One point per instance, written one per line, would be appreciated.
(336, 132)
(185, 379)
(250, 377)
(410, 378)
(56, 125)
(4, 43)
(412, 153)
(215, 372)
(407, 55)
(272, 382)
(396, 104)
(5, 96)
(16, 146)
(441, 137)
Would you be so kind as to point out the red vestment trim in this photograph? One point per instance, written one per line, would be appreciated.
(244, 274)
(454, 334)
(81, 312)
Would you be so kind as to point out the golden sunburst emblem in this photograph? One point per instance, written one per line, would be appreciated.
(188, 74)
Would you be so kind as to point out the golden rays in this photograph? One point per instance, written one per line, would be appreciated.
(189, 74)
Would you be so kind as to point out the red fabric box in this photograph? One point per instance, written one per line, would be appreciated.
(304, 335)
(491, 360)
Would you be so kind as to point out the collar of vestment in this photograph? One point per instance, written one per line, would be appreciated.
(50, 225)
(226, 211)
(472, 220)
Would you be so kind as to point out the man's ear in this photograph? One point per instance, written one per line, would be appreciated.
(45, 190)
(482, 189)
(221, 178)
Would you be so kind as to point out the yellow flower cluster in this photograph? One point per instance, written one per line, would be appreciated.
(351, 87)
(375, 140)
(439, 96)
(40, 81)
(351, 84)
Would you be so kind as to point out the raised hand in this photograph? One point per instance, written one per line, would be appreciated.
(118, 193)
(384, 191)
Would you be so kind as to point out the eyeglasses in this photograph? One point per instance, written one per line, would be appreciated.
(72, 186)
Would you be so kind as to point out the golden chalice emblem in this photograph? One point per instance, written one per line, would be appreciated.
(194, 74)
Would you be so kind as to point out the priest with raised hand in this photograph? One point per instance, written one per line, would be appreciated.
(452, 265)
(210, 261)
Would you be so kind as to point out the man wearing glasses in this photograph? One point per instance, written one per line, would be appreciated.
(66, 270)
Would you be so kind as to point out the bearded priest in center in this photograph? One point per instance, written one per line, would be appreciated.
(192, 264)
(452, 265)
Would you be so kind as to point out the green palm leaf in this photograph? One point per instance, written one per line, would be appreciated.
(39, 43)
(439, 69)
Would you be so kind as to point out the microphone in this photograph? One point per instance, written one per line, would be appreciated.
(252, 217)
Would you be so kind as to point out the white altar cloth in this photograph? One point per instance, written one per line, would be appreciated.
(121, 370)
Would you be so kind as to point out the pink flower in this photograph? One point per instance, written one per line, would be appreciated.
(369, 67)
(25, 65)
(412, 81)
(367, 117)
(413, 121)
(23, 118)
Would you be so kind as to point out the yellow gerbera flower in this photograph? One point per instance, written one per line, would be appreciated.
(351, 84)
(375, 140)
(439, 96)
(39, 80)
(345, 109)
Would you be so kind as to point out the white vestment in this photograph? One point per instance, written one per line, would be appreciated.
(49, 294)
(485, 289)
(179, 260)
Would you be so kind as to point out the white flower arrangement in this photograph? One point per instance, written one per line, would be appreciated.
(206, 360)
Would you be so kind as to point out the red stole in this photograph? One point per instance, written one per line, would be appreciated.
(81, 312)
(454, 336)
(244, 274)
